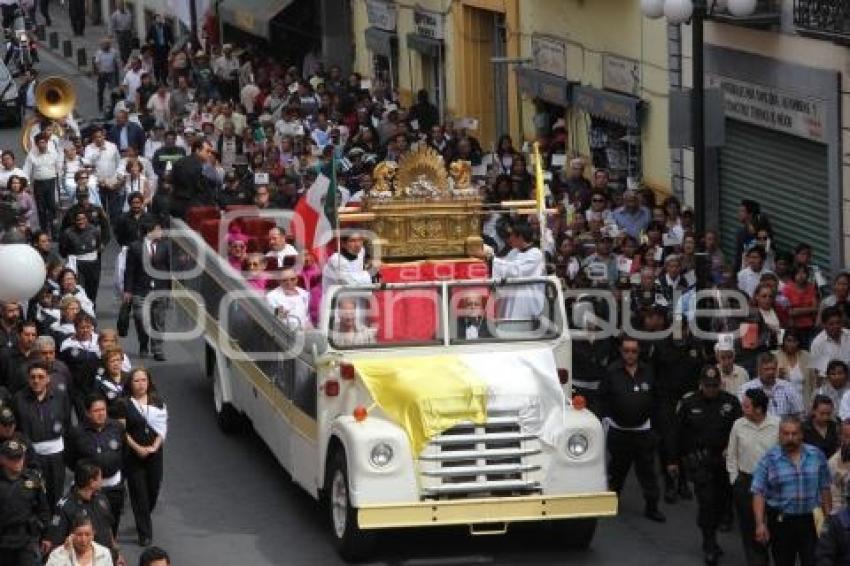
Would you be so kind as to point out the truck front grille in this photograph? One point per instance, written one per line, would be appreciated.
(491, 459)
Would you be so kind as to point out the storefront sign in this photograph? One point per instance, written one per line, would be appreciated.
(609, 106)
(428, 23)
(771, 108)
(621, 74)
(550, 55)
(381, 14)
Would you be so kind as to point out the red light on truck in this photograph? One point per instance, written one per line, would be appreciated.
(346, 371)
(360, 413)
(332, 388)
(579, 403)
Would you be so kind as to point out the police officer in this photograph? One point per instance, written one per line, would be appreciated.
(629, 402)
(83, 243)
(101, 440)
(44, 416)
(23, 508)
(84, 498)
(698, 441)
(8, 431)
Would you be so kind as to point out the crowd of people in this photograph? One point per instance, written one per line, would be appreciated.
(751, 411)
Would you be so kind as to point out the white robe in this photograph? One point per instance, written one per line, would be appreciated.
(521, 302)
(340, 270)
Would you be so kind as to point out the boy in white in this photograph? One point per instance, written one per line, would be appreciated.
(289, 301)
(348, 266)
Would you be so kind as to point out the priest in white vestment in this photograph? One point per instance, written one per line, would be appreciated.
(520, 302)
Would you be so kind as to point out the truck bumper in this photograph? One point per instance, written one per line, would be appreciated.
(490, 510)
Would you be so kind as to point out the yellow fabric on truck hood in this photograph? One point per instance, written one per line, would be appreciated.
(425, 395)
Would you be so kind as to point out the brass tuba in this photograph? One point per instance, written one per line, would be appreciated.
(55, 98)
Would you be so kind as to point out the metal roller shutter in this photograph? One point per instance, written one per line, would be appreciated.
(787, 175)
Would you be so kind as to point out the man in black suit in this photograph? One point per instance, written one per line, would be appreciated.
(124, 133)
(191, 187)
(472, 321)
(153, 251)
(160, 37)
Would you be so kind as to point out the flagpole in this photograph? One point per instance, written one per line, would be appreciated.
(540, 196)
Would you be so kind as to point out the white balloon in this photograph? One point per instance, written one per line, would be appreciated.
(22, 272)
(678, 11)
(653, 9)
(742, 7)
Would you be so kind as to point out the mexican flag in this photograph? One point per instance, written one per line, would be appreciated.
(316, 213)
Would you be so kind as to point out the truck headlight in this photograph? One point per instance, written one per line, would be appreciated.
(381, 455)
(577, 445)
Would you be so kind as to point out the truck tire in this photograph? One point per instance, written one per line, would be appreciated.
(352, 543)
(229, 420)
(576, 534)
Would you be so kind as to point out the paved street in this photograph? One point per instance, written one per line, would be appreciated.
(225, 500)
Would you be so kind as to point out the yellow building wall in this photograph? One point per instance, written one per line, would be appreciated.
(804, 51)
(590, 29)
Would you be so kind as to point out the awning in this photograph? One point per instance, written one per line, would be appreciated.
(252, 16)
(424, 44)
(378, 41)
(546, 87)
(607, 105)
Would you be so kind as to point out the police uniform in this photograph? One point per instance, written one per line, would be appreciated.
(85, 245)
(112, 392)
(23, 512)
(590, 362)
(629, 404)
(698, 440)
(83, 361)
(72, 505)
(45, 423)
(105, 447)
(7, 417)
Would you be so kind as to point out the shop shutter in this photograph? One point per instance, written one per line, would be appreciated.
(787, 175)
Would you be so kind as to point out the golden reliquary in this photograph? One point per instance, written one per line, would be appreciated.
(418, 210)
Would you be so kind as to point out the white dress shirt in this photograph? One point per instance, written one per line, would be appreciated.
(748, 442)
(105, 160)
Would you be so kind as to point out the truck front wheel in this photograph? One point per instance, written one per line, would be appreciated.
(352, 543)
(576, 534)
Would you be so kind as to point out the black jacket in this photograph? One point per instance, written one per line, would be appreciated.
(626, 400)
(191, 187)
(128, 227)
(135, 136)
(136, 279)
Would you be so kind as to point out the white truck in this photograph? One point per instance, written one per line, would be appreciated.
(449, 427)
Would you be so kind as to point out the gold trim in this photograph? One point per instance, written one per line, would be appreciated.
(492, 510)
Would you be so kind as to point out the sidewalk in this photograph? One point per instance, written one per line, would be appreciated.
(62, 28)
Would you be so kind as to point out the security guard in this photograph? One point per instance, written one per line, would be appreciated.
(44, 416)
(23, 508)
(83, 243)
(630, 404)
(698, 440)
(84, 498)
(8, 431)
(100, 440)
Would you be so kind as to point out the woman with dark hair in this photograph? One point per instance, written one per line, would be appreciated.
(673, 217)
(761, 333)
(110, 381)
(840, 297)
(803, 299)
(25, 201)
(793, 365)
(146, 424)
(820, 429)
(43, 244)
(505, 155)
(835, 386)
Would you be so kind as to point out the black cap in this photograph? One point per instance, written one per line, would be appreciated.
(7, 417)
(709, 376)
(13, 448)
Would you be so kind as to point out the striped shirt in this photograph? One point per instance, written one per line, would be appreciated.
(783, 399)
(792, 489)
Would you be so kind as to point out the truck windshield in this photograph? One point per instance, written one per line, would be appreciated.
(414, 316)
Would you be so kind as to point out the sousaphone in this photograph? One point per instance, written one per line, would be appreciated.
(55, 98)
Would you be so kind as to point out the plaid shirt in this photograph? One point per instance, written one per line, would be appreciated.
(782, 398)
(790, 489)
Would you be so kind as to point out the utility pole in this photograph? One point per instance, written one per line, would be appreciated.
(698, 114)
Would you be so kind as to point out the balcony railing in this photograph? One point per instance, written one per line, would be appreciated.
(767, 13)
(827, 19)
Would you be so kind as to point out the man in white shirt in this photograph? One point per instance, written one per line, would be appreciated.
(348, 266)
(226, 68)
(289, 301)
(833, 342)
(520, 302)
(42, 167)
(103, 155)
(228, 115)
(732, 376)
(279, 249)
(748, 278)
(132, 81)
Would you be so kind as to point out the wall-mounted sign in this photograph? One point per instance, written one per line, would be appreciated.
(550, 55)
(768, 107)
(621, 74)
(428, 23)
(381, 14)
